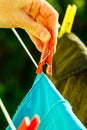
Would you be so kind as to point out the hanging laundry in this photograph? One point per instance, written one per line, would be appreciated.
(54, 111)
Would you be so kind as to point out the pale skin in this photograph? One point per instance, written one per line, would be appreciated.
(38, 18)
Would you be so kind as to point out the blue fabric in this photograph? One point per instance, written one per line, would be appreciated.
(54, 111)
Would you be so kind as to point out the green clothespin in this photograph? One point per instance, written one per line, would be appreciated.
(68, 20)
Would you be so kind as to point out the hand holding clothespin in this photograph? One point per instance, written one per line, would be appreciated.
(68, 20)
(30, 125)
(46, 56)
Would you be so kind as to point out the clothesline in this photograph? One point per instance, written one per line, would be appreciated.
(7, 116)
(24, 46)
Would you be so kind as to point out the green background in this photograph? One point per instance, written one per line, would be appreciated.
(17, 72)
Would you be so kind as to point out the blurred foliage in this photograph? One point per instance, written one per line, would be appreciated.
(17, 71)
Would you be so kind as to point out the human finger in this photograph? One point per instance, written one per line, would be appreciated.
(51, 16)
(25, 22)
(33, 8)
(38, 44)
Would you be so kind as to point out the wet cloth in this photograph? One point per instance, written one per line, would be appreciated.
(70, 57)
(70, 73)
(54, 111)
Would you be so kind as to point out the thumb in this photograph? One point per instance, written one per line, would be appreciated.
(31, 26)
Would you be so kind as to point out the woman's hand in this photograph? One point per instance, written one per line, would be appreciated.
(36, 17)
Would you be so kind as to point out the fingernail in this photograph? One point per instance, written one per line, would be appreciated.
(45, 36)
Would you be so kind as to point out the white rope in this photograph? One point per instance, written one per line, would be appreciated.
(7, 115)
(25, 48)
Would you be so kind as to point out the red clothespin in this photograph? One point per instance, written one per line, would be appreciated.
(46, 58)
(29, 125)
(34, 123)
(25, 124)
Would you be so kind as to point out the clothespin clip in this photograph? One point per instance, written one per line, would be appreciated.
(46, 58)
(30, 125)
(68, 20)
